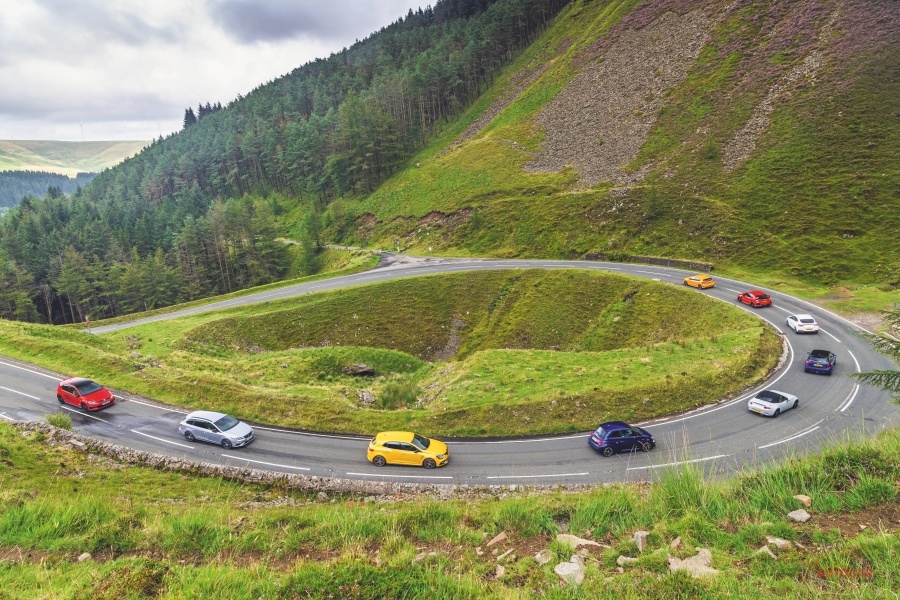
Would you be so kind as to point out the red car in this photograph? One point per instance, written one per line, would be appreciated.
(755, 298)
(84, 393)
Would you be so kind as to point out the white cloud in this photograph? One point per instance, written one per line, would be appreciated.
(127, 69)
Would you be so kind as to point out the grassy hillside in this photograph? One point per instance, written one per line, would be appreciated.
(65, 158)
(469, 354)
(773, 155)
(172, 535)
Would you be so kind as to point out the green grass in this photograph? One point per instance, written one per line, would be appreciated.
(822, 181)
(173, 535)
(467, 354)
(65, 158)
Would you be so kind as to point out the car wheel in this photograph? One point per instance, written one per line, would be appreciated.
(61, 401)
(607, 451)
(646, 447)
(379, 461)
(429, 463)
(226, 443)
(84, 407)
(189, 436)
(796, 404)
(776, 413)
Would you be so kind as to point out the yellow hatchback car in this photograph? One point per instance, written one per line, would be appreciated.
(700, 281)
(407, 448)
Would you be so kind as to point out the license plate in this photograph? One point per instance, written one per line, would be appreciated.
(818, 365)
(757, 410)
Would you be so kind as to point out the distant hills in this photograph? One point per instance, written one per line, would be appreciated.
(65, 158)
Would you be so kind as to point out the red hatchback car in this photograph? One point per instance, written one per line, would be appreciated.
(84, 393)
(755, 298)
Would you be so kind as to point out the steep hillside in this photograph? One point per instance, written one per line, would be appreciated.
(759, 136)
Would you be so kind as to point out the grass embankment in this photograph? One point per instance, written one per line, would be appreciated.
(822, 180)
(486, 353)
(166, 535)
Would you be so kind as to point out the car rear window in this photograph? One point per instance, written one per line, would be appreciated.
(88, 387)
(762, 296)
(767, 395)
(601, 433)
(820, 353)
(807, 320)
(226, 422)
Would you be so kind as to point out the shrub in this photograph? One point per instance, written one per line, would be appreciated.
(61, 420)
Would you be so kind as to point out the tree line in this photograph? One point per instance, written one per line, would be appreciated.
(192, 215)
(15, 185)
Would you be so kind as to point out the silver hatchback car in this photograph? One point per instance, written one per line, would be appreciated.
(216, 428)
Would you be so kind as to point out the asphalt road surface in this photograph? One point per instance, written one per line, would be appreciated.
(721, 437)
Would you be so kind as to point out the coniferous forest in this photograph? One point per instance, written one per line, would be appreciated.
(186, 219)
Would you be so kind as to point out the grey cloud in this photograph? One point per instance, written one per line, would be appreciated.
(104, 23)
(250, 21)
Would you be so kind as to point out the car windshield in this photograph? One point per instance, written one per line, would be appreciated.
(767, 395)
(87, 387)
(807, 320)
(226, 422)
(819, 353)
(420, 442)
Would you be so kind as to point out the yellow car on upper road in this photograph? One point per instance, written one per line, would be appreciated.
(407, 448)
(700, 281)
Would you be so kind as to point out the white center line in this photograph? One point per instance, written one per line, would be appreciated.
(683, 462)
(793, 437)
(6, 364)
(84, 414)
(18, 392)
(406, 476)
(265, 463)
(535, 476)
(159, 439)
(849, 400)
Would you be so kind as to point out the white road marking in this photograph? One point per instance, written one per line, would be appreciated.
(683, 462)
(406, 476)
(528, 441)
(8, 418)
(849, 400)
(165, 408)
(536, 476)
(333, 436)
(159, 439)
(6, 364)
(265, 463)
(858, 369)
(83, 414)
(830, 335)
(18, 392)
(793, 437)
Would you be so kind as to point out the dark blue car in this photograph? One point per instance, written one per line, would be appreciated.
(618, 436)
(820, 361)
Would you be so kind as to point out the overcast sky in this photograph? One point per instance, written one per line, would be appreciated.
(75, 70)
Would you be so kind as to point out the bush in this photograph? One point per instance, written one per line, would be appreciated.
(61, 420)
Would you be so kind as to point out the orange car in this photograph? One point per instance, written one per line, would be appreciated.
(700, 281)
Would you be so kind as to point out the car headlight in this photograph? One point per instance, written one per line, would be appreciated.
(442, 456)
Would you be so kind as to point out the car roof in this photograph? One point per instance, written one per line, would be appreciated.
(74, 380)
(803, 316)
(702, 276)
(206, 414)
(768, 393)
(394, 436)
(756, 293)
(612, 425)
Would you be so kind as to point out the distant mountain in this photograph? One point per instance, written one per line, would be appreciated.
(65, 158)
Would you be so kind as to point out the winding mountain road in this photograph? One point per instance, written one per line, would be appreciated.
(722, 436)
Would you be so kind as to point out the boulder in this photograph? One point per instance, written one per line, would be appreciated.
(640, 538)
(573, 541)
(767, 551)
(696, 566)
(779, 543)
(497, 539)
(625, 560)
(543, 557)
(804, 500)
(799, 516)
(572, 573)
(84, 556)
(359, 370)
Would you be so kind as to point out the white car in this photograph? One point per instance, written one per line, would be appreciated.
(216, 428)
(803, 323)
(772, 403)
